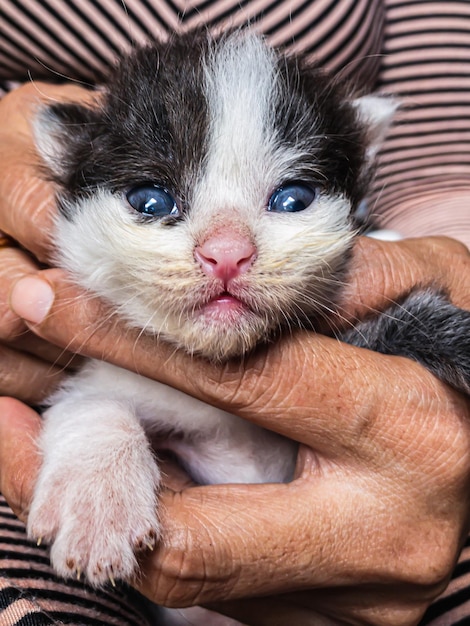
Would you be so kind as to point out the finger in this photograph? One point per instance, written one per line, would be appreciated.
(292, 378)
(26, 198)
(14, 264)
(30, 343)
(26, 377)
(383, 272)
(325, 530)
(204, 528)
(28, 204)
(19, 458)
(273, 611)
(383, 605)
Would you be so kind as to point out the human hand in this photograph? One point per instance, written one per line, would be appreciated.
(377, 487)
(369, 530)
(30, 368)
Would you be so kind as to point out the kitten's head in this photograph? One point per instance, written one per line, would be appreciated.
(209, 196)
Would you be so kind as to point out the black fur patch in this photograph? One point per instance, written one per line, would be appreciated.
(314, 113)
(153, 124)
(425, 327)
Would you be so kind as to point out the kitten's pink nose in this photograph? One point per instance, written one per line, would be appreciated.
(225, 255)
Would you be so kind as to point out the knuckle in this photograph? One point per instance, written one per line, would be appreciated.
(440, 244)
(454, 246)
(8, 372)
(24, 377)
(438, 249)
(17, 491)
(188, 580)
(180, 583)
(238, 385)
(15, 483)
(435, 573)
(445, 264)
(451, 254)
(13, 381)
(195, 562)
(428, 563)
(11, 326)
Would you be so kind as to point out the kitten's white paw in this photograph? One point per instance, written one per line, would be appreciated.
(95, 532)
(95, 501)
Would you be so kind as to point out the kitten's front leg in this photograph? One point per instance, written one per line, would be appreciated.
(95, 499)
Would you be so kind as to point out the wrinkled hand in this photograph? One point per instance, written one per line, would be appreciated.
(369, 530)
(30, 368)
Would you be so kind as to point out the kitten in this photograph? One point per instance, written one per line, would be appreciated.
(209, 199)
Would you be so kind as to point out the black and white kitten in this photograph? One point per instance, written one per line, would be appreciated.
(209, 200)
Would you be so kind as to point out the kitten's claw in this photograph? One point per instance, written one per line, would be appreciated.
(70, 563)
(103, 554)
(147, 542)
(39, 541)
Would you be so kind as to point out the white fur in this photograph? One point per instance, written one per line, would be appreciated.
(45, 129)
(96, 495)
(134, 266)
(95, 499)
(376, 112)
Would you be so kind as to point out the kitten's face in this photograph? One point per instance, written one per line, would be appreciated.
(209, 199)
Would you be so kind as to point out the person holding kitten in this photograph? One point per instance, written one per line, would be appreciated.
(409, 502)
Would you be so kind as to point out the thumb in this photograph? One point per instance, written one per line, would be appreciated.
(225, 542)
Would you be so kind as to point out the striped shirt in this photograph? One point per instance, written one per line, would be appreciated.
(418, 51)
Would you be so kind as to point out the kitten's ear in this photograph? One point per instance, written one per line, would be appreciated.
(60, 128)
(376, 113)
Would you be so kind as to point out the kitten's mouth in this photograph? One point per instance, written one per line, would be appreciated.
(224, 308)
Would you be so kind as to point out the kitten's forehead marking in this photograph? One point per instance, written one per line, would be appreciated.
(240, 81)
(240, 86)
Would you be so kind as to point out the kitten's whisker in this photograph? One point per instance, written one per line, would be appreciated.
(69, 79)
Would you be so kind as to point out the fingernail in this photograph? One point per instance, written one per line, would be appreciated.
(31, 298)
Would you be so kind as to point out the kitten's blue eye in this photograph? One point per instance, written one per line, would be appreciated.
(291, 198)
(152, 200)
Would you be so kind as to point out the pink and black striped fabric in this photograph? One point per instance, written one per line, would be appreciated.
(418, 51)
